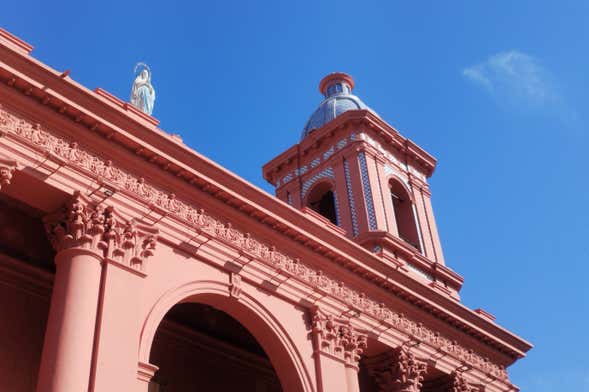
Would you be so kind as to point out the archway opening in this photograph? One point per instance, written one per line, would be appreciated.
(404, 214)
(199, 347)
(26, 286)
(322, 200)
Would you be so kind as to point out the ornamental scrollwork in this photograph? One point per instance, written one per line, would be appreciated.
(459, 383)
(398, 371)
(97, 228)
(338, 338)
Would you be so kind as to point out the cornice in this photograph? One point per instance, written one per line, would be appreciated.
(384, 238)
(71, 154)
(191, 167)
(355, 118)
(15, 43)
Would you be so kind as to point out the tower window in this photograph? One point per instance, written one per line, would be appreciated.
(404, 214)
(322, 200)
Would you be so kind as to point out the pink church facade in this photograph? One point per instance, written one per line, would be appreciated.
(129, 262)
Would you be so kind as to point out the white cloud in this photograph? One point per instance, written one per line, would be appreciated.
(514, 76)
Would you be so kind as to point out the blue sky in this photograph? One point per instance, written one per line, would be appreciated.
(497, 91)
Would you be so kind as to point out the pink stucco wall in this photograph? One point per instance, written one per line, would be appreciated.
(139, 223)
(24, 307)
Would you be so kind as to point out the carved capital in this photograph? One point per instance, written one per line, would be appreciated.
(338, 338)
(459, 384)
(398, 371)
(7, 168)
(83, 224)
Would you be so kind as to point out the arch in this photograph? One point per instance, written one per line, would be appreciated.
(402, 182)
(261, 323)
(323, 200)
(404, 210)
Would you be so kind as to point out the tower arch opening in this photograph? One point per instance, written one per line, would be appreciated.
(321, 199)
(404, 214)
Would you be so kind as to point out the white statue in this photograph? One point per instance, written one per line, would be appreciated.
(142, 93)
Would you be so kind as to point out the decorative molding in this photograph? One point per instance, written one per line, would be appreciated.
(367, 191)
(330, 151)
(316, 161)
(234, 285)
(341, 144)
(337, 338)
(382, 197)
(146, 371)
(355, 229)
(337, 206)
(7, 168)
(420, 272)
(459, 383)
(84, 225)
(388, 170)
(390, 157)
(398, 371)
(325, 173)
(105, 171)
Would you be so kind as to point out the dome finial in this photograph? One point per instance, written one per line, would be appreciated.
(336, 82)
(337, 89)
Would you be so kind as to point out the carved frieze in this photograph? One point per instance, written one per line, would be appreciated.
(338, 338)
(97, 228)
(104, 171)
(398, 371)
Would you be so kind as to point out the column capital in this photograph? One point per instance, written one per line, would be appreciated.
(337, 338)
(398, 371)
(459, 383)
(95, 228)
(7, 168)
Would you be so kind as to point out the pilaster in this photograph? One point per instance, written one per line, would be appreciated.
(435, 237)
(76, 233)
(374, 161)
(424, 224)
(99, 255)
(337, 349)
(361, 190)
(348, 222)
(397, 371)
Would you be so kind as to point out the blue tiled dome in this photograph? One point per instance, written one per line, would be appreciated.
(337, 89)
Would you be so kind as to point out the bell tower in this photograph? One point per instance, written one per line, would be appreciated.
(354, 173)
